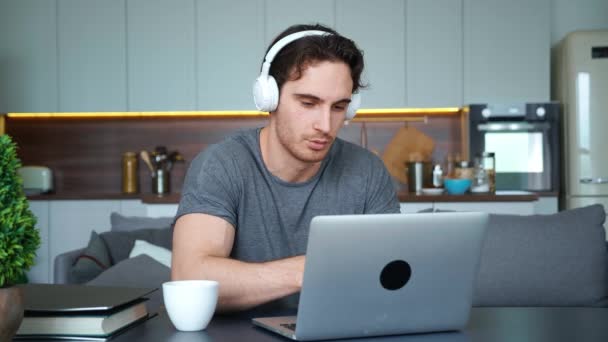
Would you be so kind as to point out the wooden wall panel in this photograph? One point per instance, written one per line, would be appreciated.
(85, 154)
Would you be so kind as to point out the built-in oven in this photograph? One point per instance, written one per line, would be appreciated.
(525, 139)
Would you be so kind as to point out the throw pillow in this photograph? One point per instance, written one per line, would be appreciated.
(120, 244)
(157, 253)
(94, 259)
(544, 260)
(122, 223)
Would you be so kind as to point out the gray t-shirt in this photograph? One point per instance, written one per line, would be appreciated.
(271, 216)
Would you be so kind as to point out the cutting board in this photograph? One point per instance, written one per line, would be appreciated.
(408, 144)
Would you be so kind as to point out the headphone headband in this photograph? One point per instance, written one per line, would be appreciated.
(265, 89)
(272, 52)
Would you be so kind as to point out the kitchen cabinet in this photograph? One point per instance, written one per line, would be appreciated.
(378, 28)
(91, 36)
(412, 208)
(28, 56)
(506, 51)
(513, 208)
(161, 49)
(434, 53)
(281, 14)
(228, 55)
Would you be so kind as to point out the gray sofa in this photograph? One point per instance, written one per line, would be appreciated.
(538, 260)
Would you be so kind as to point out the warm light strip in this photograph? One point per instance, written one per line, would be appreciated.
(410, 111)
(105, 115)
(364, 113)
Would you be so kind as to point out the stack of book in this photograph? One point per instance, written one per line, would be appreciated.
(80, 312)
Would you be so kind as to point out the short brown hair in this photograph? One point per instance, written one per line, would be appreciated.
(298, 54)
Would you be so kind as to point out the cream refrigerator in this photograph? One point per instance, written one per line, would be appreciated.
(582, 88)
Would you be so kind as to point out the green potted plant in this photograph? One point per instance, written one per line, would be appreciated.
(19, 239)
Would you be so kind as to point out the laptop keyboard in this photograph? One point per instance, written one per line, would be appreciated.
(290, 326)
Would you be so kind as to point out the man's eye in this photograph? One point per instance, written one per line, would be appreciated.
(339, 108)
(307, 104)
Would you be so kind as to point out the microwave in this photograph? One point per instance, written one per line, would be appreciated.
(525, 139)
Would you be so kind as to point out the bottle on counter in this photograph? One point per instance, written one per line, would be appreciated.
(129, 173)
(437, 176)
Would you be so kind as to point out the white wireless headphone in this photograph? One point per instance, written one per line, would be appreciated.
(265, 89)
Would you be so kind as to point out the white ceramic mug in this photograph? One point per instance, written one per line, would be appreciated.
(190, 303)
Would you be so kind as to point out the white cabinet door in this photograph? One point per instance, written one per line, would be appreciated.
(546, 205)
(161, 63)
(228, 55)
(514, 208)
(40, 272)
(93, 65)
(71, 223)
(378, 27)
(28, 56)
(137, 208)
(281, 14)
(506, 51)
(434, 53)
(410, 207)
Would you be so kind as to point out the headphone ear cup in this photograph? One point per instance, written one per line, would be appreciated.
(265, 93)
(353, 106)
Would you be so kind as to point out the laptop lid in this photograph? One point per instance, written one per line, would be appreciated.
(371, 275)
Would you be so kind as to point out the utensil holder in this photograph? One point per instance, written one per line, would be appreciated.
(160, 182)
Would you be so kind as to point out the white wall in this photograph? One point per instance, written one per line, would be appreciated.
(576, 15)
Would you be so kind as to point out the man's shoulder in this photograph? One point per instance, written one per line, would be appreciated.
(238, 146)
(235, 144)
(353, 154)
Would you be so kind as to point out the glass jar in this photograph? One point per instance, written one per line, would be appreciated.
(488, 161)
(463, 170)
(480, 182)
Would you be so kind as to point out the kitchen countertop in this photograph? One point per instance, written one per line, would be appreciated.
(173, 198)
(499, 196)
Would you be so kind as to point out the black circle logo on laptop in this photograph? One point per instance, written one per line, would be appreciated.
(395, 275)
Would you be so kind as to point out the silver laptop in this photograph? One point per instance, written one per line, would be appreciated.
(387, 274)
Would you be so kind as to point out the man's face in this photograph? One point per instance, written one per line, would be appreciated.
(312, 110)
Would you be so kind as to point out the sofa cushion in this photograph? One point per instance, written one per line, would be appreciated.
(544, 260)
(157, 253)
(120, 243)
(120, 223)
(140, 271)
(94, 259)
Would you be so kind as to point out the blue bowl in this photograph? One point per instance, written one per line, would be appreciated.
(456, 186)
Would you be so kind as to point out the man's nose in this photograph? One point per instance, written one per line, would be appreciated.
(323, 120)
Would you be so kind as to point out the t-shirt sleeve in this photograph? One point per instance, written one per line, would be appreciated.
(211, 187)
(381, 190)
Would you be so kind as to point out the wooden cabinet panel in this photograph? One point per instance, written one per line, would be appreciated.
(161, 63)
(28, 56)
(92, 55)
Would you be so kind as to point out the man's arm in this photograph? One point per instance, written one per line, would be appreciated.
(201, 248)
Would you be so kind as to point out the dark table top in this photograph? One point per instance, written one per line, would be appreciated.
(486, 324)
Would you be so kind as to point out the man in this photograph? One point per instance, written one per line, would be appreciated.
(247, 202)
